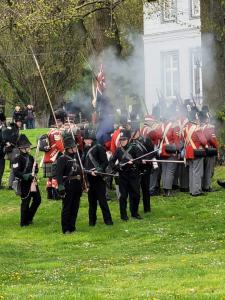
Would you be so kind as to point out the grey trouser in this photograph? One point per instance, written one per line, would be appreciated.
(209, 164)
(195, 175)
(168, 173)
(184, 176)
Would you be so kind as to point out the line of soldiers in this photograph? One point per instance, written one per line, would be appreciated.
(74, 158)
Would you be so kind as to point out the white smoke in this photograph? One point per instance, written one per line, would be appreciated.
(124, 76)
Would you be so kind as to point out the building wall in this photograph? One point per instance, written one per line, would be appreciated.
(181, 36)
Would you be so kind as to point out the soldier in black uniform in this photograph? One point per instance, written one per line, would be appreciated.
(96, 160)
(129, 182)
(22, 168)
(10, 137)
(2, 152)
(144, 146)
(68, 175)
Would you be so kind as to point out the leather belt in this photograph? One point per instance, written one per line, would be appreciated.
(77, 177)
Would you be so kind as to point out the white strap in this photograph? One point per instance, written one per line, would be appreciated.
(189, 135)
(164, 135)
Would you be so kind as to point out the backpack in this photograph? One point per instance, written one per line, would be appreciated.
(44, 143)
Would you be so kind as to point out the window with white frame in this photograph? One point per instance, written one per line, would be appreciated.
(196, 66)
(169, 10)
(195, 8)
(170, 74)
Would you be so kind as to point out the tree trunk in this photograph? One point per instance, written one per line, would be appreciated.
(213, 45)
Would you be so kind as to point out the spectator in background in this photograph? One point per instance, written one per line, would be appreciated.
(30, 117)
(17, 114)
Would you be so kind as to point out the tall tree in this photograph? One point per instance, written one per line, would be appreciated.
(61, 33)
(213, 45)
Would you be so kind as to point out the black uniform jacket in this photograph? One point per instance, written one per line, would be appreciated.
(95, 157)
(67, 166)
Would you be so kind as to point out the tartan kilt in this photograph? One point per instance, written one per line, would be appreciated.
(47, 170)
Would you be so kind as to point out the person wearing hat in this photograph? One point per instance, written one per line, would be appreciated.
(152, 130)
(10, 137)
(56, 149)
(169, 145)
(2, 152)
(69, 178)
(129, 183)
(144, 146)
(211, 151)
(23, 166)
(195, 144)
(95, 159)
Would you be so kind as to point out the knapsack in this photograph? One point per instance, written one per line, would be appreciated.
(44, 143)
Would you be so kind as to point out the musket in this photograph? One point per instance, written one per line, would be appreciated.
(35, 158)
(140, 157)
(100, 173)
(33, 183)
(164, 161)
(78, 155)
(193, 99)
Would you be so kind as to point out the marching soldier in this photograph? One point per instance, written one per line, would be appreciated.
(23, 166)
(96, 160)
(129, 182)
(69, 178)
(195, 143)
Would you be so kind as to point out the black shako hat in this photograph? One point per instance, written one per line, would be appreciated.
(61, 115)
(68, 141)
(23, 142)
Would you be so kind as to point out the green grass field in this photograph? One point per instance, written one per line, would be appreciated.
(175, 252)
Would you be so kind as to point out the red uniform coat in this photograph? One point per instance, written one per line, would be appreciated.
(209, 132)
(115, 140)
(170, 137)
(153, 132)
(56, 143)
(196, 140)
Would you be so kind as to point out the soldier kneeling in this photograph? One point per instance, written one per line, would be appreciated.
(25, 168)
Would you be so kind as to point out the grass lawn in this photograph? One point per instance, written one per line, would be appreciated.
(175, 252)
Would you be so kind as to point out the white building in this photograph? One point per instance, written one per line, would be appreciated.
(172, 46)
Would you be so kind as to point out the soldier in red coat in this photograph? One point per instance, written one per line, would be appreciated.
(195, 144)
(50, 157)
(169, 146)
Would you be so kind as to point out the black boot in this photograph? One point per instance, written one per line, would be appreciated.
(49, 193)
(55, 194)
(167, 193)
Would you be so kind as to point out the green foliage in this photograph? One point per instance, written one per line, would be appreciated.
(176, 252)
